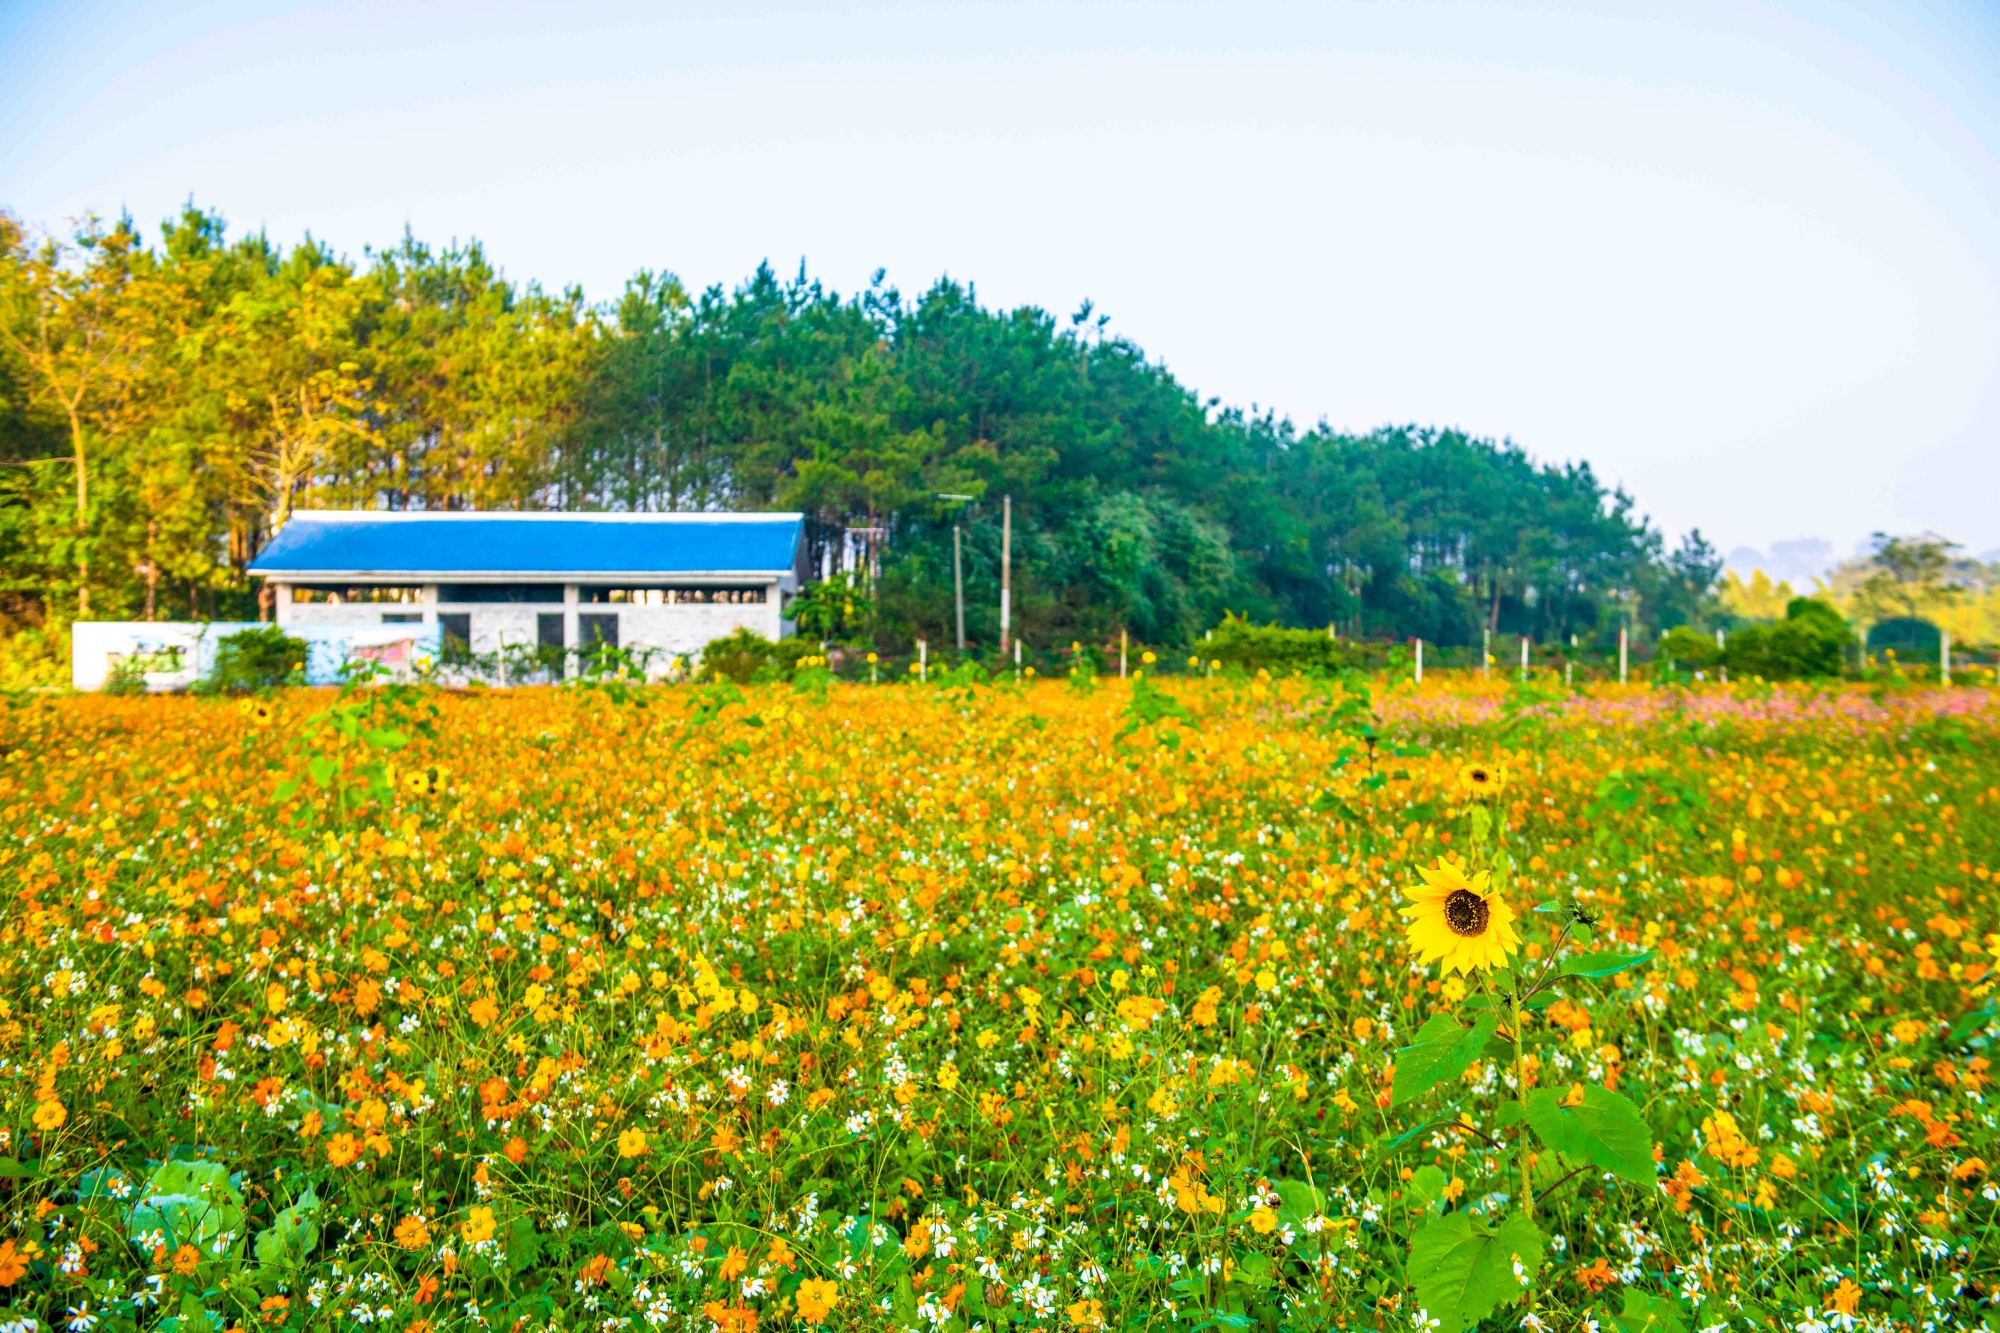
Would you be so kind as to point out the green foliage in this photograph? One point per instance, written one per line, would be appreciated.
(34, 659)
(1463, 1271)
(282, 1247)
(256, 659)
(1444, 1049)
(1811, 641)
(189, 1203)
(221, 383)
(1689, 649)
(744, 656)
(1237, 642)
(1604, 1129)
(1908, 637)
(343, 750)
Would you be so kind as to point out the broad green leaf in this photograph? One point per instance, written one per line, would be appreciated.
(1649, 1314)
(291, 1236)
(1605, 1129)
(1297, 1200)
(322, 770)
(1603, 964)
(1444, 1049)
(1426, 1185)
(190, 1203)
(1463, 1272)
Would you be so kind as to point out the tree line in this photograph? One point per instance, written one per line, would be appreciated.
(165, 405)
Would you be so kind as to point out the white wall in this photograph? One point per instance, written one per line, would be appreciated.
(677, 630)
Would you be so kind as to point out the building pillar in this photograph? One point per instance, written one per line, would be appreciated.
(571, 634)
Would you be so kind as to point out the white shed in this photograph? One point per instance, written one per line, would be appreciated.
(494, 581)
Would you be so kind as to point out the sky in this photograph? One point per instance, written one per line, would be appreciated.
(1743, 258)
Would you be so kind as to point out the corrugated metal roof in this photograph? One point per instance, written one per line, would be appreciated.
(329, 542)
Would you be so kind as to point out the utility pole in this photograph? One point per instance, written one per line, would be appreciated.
(958, 585)
(1006, 569)
(958, 563)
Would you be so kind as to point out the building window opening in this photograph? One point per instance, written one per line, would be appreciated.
(676, 594)
(329, 594)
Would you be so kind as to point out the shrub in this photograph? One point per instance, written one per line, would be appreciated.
(256, 659)
(1909, 637)
(34, 658)
(1810, 641)
(745, 655)
(1689, 649)
(1237, 642)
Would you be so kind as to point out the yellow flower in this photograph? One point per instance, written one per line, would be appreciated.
(1263, 1221)
(478, 1225)
(50, 1115)
(1458, 921)
(1482, 782)
(817, 1297)
(632, 1143)
(411, 1233)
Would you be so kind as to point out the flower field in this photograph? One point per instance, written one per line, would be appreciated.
(956, 1006)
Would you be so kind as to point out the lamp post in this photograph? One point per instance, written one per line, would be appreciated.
(958, 569)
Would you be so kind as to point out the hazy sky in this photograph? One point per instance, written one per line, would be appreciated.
(1743, 257)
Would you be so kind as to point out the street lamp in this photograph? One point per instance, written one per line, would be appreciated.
(957, 565)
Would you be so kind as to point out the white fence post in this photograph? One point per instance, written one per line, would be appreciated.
(1420, 661)
(923, 660)
(1621, 655)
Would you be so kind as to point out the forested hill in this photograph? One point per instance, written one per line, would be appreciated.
(164, 404)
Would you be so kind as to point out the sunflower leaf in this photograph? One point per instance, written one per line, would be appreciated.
(1463, 1272)
(1444, 1049)
(1605, 1129)
(1603, 964)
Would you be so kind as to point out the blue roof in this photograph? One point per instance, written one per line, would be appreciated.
(361, 543)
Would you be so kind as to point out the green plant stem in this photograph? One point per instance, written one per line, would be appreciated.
(1521, 1133)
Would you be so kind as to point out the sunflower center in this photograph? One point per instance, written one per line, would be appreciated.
(1466, 913)
(1479, 775)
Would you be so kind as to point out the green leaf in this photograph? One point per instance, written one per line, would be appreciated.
(1464, 1272)
(322, 770)
(1444, 1049)
(190, 1203)
(1605, 1129)
(1649, 1314)
(1297, 1200)
(291, 1236)
(1603, 964)
(1426, 1186)
(1390, 1145)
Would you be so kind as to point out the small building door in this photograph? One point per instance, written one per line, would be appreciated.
(456, 629)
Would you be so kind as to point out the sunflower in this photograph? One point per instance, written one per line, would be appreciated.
(1459, 921)
(1482, 782)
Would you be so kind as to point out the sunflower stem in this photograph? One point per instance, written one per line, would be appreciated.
(1521, 1132)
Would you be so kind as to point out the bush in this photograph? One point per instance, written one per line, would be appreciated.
(1689, 649)
(256, 659)
(1910, 638)
(33, 659)
(1810, 641)
(745, 655)
(1237, 642)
